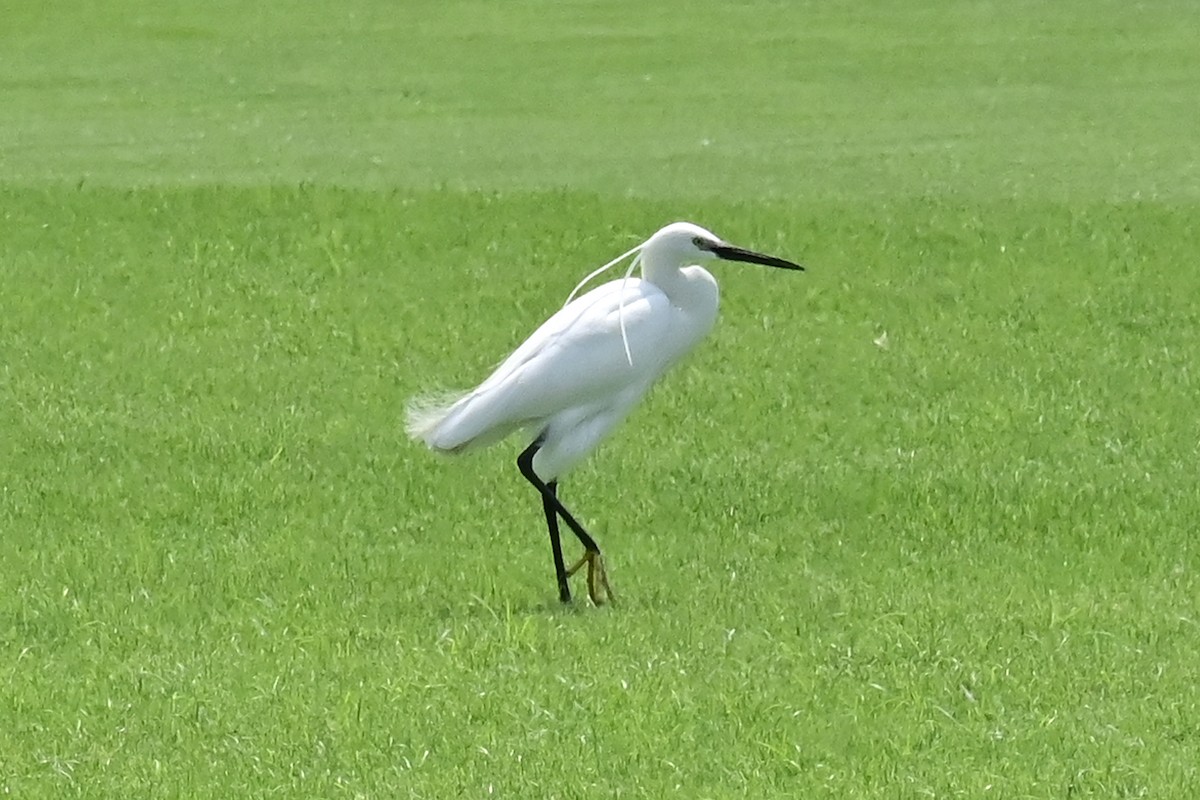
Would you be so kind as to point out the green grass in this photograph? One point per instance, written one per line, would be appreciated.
(234, 240)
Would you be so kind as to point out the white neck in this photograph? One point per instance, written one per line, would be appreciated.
(666, 274)
(689, 288)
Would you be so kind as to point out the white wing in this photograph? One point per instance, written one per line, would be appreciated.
(577, 357)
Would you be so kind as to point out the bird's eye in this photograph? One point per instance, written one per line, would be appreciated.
(700, 242)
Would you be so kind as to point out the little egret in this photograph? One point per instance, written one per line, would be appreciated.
(582, 371)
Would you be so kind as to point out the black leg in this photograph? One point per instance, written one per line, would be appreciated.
(597, 576)
(560, 569)
(525, 464)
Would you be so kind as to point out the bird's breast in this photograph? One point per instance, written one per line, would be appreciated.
(698, 296)
(694, 298)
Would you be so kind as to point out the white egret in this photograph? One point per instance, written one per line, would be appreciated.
(582, 371)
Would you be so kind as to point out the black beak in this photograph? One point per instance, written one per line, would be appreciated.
(731, 253)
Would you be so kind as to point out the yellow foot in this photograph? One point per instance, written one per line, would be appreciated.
(597, 577)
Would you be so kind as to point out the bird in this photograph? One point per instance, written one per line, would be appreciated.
(583, 370)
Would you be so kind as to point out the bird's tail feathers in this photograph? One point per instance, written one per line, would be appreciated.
(445, 422)
(426, 412)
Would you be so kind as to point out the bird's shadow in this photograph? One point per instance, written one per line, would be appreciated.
(543, 606)
(537, 607)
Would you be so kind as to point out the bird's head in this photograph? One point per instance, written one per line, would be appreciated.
(686, 243)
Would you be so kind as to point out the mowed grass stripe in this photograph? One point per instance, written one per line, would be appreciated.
(961, 560)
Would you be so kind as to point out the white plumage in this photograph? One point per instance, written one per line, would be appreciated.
(583, 370)
(571, 380)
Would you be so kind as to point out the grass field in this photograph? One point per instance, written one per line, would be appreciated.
(236, 238)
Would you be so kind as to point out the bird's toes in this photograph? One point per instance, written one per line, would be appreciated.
(598, 587)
